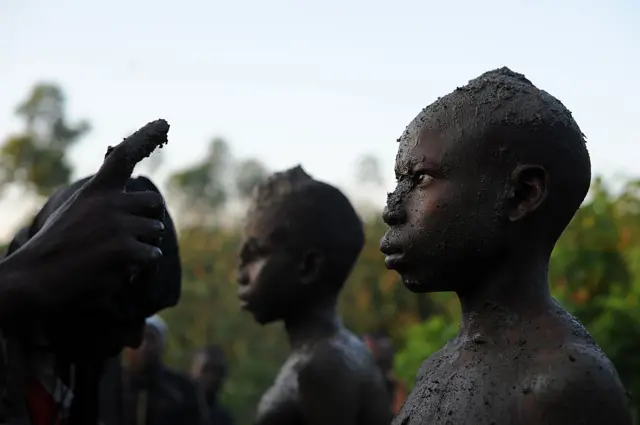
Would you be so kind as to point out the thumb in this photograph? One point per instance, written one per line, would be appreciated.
(120, 161)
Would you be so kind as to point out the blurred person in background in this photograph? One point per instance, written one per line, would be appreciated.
(209, 369)
(146, 392)
(383, 350)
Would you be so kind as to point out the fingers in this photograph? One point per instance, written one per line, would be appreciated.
(146, 230)
(122, 159)
(142, 253)
(146, 204)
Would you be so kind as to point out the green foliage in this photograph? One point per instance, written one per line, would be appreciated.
(201, 188)
(36, 158)
(204, 189)
(422, 340)
(249, 172)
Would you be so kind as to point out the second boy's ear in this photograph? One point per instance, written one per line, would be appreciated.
(310, 267)
(529, 186)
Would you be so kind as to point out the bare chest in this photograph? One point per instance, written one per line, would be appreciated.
(280, 403)
(466, 387)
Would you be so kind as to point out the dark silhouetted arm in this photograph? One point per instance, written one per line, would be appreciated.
(19, 291)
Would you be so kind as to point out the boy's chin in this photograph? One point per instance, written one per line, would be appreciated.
(421, 284)
(413, 284)
(263, 318)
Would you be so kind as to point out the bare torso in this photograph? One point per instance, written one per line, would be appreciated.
(544, 371)
(330, 380)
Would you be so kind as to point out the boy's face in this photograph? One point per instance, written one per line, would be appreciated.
(267, 273)
(444, 215)
(207, 373)
(148, 354)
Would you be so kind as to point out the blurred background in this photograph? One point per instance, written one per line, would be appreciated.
(250, 87)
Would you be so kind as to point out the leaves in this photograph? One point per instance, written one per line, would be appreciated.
(422, 340)
(205, 189)
(249, 172)
(368, 171)
(36, 158)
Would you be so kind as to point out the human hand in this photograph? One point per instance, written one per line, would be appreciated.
(101, 233)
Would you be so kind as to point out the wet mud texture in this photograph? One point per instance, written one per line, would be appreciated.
(143, 142)
(331, 380)
(542, 371)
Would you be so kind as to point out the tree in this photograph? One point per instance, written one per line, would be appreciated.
(206, 188)
(368, 171)
(249, 173)
(367, 185)
(201, 189)
(36, 158)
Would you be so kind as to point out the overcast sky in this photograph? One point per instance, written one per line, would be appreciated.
(313, 82)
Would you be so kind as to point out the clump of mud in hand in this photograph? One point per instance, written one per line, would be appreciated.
(143, 142)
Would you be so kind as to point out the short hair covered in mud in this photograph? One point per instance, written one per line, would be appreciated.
(214, 354)
(514, 123)
(304, 213)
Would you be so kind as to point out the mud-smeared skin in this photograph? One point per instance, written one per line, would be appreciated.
(301, 240)
(331, 379)
(144, 141)
(488, 178)
(543, 370)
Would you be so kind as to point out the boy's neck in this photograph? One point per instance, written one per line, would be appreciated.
(311, 323)
(515, 290)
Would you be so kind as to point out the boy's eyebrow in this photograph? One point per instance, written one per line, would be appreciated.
(413, 163)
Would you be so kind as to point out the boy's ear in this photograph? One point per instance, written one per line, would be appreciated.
(310, 267)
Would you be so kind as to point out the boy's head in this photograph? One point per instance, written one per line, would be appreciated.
(494, 169)
(382, 349)
(209, 368)
(301, 239)
(148, 356)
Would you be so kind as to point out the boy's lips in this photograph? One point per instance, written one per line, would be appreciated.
(394, 261)
(394, 255)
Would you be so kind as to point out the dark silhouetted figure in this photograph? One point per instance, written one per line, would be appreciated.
(209, 370)
(146, 392)
(301, 240)
(488, 178)
(56, 362)
(73, 255)
(383, 350)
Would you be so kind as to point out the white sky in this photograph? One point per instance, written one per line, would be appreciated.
(312, 82)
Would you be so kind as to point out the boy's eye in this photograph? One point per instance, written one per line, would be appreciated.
(421, 177)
